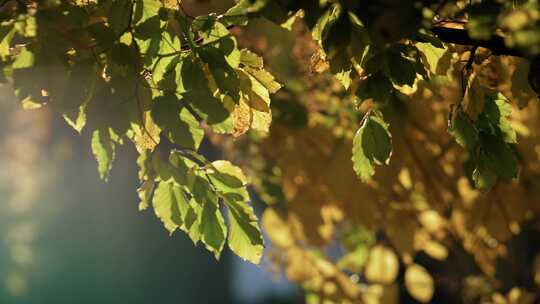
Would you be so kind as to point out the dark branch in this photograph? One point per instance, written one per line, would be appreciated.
(460, 36)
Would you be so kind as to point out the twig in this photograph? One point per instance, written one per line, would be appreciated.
(460, 36)
(466, 71)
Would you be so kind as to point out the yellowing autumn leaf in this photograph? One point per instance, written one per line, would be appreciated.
(419, 283)
(382, 265)
(277, 229)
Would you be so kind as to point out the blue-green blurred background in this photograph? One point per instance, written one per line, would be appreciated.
(68, 237)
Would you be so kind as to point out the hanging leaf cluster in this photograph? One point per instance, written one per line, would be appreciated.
(406, 132)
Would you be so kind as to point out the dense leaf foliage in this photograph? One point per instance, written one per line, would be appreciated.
(429, 99)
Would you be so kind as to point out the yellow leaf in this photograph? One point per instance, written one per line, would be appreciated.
(146, 134)
(419, 283)
(246, 117)
(379, 294)
(382, 265)
(277, 229)
(432, 221)
(435, 250)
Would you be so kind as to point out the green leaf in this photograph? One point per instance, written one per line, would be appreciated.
(76, 120)
(500, 114)
(228, 174)
(198, 95)
(237, 15)
(253, 110)
(211, 110)
(372, 60)
(144, 162)
(463, 130)
(79, 88)
(264, 78)
(484, 178)
(169, 66)
(23, 60)
(180, 167)
(376, 86)
(224, 75)
(145, 194)
(192, 222)
(212, 228)
(123, 55)
(341, 67)
(104, 151)
(178, 124)
(438, 59)
(250, 59)
(211, 223)
(170, 205)
(216, 35)
(145, 10)
(204, 23)
(499, 157)
(149, 29)
(336, 34)
(322, 23)
(372, 145)
(119, 15)
(228, 180)
(118, 97)
(6, 34)
(245, 238)
(402, 70)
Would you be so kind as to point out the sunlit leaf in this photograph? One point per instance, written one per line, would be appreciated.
(419, 283)
(212, 228)
(372, 145)
(382, 265)
(103, 148)
(170, 205)
(177, 122)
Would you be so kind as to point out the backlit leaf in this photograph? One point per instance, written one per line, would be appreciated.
(419, 283)
(372, 145)
(245, 238)
(103, 148)
(212, 228)
(170, 205)
(382, 265)
(177, 122)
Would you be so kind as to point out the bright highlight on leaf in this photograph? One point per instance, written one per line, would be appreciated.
(382, 265)
(170, 205)
(419, 283)
(245, 238)
(103, 148)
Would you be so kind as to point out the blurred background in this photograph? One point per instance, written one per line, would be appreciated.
(68, 237)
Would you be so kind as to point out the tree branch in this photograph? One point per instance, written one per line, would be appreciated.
(460, 36)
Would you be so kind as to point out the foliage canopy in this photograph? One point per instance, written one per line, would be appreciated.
(407, 131)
